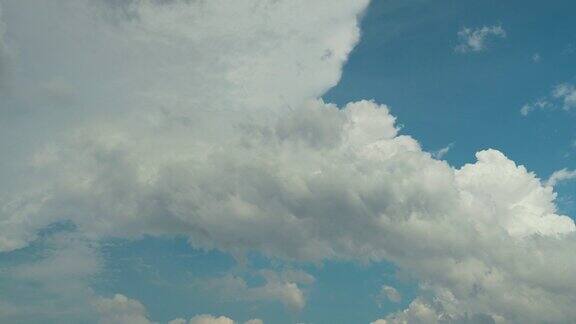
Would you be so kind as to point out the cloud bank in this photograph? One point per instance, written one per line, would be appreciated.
(203, 119)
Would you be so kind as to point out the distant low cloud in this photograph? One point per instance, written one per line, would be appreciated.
(421, 312)
(120, 309)
(476, 40)
(254, 321)
(209, 319)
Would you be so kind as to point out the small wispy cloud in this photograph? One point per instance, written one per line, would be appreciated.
(439, 154)
(391, 294)
(475, 40)
(566, 93)
(537, 105)
(562, 95)
(561, 176)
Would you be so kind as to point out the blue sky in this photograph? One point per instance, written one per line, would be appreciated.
(184, 161)
(406, 59)
(472, 100)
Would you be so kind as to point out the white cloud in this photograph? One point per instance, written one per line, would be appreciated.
(233, 57)
(538, 105)
(475, 40)
(259, 56)
(200, 119)
(560, 176)
(209, 319)
(562, 95)
(566, 93)
(121, 310)
(391, 294)
(419, 312)
(371, 195)
(255, 321)
(178, 321)
(439, 154)
(281, 287)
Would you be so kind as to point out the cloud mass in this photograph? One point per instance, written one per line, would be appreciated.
(204, 119)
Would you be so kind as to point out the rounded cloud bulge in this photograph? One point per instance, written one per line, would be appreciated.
(204, 119)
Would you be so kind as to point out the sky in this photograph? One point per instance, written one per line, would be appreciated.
(274, 161)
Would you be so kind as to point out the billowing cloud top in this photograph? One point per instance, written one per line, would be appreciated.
(202, 118)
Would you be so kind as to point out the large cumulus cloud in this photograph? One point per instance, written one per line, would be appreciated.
(202, 118)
